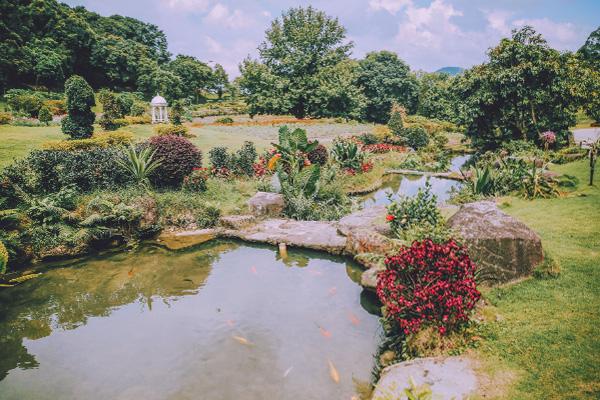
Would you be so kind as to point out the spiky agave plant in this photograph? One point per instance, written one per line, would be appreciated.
(140, 164)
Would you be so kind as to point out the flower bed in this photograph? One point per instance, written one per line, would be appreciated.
(380, 148)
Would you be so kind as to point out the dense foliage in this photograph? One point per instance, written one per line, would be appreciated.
(522, 91)
(385, 80)
(78, 124)
(178, 157)
(428, 284)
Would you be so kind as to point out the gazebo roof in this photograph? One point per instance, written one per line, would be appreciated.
(158, 100)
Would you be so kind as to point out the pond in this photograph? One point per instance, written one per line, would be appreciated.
(222, 321)
(408, 185)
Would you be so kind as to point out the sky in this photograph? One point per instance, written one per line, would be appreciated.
(427, 34)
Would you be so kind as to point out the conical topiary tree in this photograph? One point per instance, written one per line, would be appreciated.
(395, 122)
(44, 115)
(79, 122)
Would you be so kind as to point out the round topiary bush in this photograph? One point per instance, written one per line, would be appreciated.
(79, 122)
(319, 155)
(178, 158)
(415, 137)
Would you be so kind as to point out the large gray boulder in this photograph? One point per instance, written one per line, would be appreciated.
(447, 378)
(501, 246)
(265, 204)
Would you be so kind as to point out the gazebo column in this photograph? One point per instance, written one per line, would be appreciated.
(166, 115)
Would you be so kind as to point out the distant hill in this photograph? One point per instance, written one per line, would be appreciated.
(450, 70)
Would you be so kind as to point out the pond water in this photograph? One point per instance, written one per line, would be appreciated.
(222, 321)
(408, 185)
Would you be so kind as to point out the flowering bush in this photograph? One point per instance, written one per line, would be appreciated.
(178, 158)
(196, 181)
(380, 148)
(260, 167)
(428, 284)
(366, 166)
(548, 137)
(412, 211)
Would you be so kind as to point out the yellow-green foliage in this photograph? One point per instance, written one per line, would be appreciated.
(3, 258)
(133, 120)
(56, 107)
(102, 139)
(177, 130)
(5, 118)
(430, 125)
(381, 132)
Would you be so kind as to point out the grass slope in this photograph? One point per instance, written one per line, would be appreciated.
(550, 326)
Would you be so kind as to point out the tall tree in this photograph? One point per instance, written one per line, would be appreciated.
(220, 80)
(195, 75)
(297, 47)
(385, 79)
(435, 96)
(522, 91)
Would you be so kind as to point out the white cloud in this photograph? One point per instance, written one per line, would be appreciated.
(212, 45)
(498, 21)
(266, 14)
(221, 15)
(391, 6)
(429, 26)
(189, 5)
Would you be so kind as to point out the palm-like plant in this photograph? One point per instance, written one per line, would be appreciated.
(347, 154)
(140, 164)
(293, 148)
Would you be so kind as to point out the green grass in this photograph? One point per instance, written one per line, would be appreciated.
(17, 141)
(549, 331)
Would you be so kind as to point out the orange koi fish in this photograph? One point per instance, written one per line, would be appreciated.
(253, 270)
(354, 319)
(230, 323)
(242, 340)
(332, 291)
(333, 373)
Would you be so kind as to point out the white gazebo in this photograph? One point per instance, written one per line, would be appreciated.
(159, 109)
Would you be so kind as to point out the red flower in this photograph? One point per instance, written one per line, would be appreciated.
(390, 218)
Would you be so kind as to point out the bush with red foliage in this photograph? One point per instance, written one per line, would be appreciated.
(260, 167)
(380, 148)
(319, 155)
(366, 166)
(178, 157)
(428, 284)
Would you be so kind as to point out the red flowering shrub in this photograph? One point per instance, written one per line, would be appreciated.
(428, 284)
(222, 172)
(380, 148)
(366, 166)
(178, 157)
(260, 167)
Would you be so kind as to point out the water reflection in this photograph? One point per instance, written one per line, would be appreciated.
(155, 324)
(408, 185)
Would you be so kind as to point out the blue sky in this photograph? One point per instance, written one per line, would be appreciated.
(428, 34)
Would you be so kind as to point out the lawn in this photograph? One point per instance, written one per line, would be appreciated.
(549, 327)
(16, 141)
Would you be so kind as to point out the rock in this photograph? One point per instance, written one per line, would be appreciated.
(237, 221)
(317, 235)
(503, 247)
(367, 241)
(368, 279)
(372, 218)
(149, 210)
(448, 378)
(265, 204)
(181, 240)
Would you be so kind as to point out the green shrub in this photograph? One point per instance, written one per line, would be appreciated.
(178, 158)
(368, 138)
(415, 137)
(243, 160)
(196, 181)
(28, 103)
(137, 109)
(56, 107)
(224, 120)
(78, 124)
(395, 123)
(176, 130)
(102, 139)
(5, 118)
(219, 158)
(319, 155)
(177, 112)
(413, 161)
(140, 164)
(3, 258)
(414, 212)
(347, 154)
(44, 115)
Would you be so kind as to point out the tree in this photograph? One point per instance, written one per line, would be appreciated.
(522, 91)
(386, 79)
(155, 79)
(435, 97)
(177, 112)
(195, 75)
(300, 45)
(590, 51)
(395, 123)
(44, 115)
(79, 122)
(220, 80)
(587, 75)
